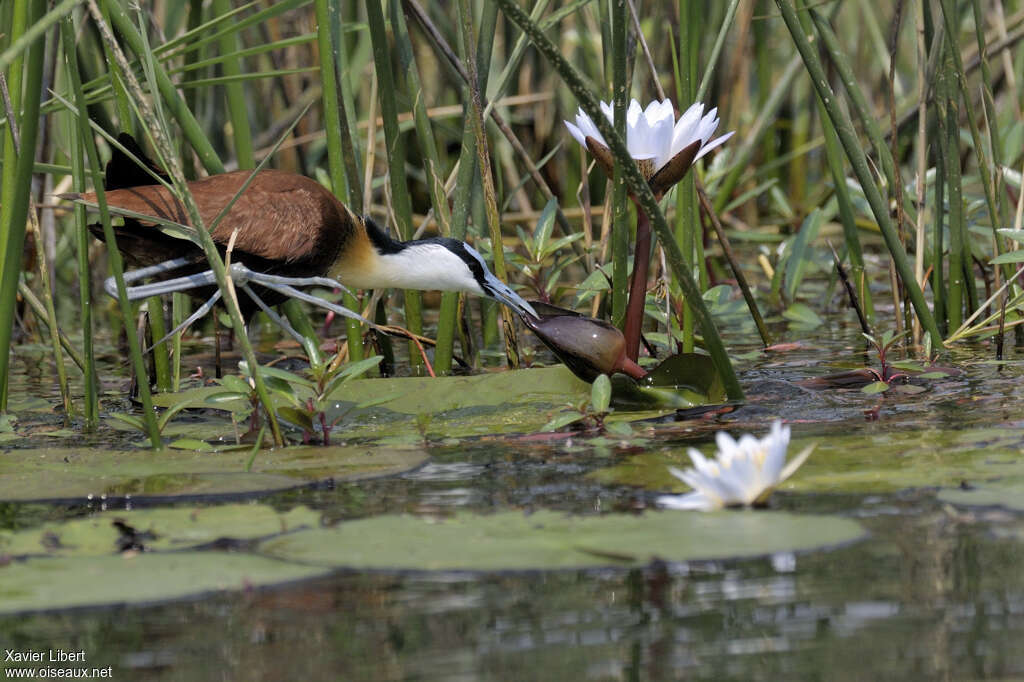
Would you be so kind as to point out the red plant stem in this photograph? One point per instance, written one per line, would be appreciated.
(634, 370)
(638, 286)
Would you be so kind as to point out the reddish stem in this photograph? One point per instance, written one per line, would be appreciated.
(638, 286)
(634, 370)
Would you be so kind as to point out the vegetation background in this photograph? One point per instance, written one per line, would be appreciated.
(891, 131)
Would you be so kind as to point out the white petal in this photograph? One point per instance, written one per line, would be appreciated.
(633, 113)
(576, 133)
(775, 452)
(588, 128)
(690, 502)
(795, 463)
(714, 143)
(640, 138)
(683, 132)
(608, 110)
(708, 124)
(725, 442)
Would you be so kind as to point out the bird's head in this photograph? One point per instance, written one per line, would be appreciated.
(484, 279)
(436, 264)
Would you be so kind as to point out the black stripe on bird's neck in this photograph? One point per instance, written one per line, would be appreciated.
(385, 246)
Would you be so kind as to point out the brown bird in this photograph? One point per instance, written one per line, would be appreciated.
(287, 226)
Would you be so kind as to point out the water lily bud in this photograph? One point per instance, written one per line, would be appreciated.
(589, 347)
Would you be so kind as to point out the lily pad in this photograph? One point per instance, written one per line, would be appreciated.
(155, 529)
(546, 539)
(500, 402)
(860, 462)
(1009, 495)
(65, 474)
(65, 582)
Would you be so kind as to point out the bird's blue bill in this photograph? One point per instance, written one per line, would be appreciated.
(497, 289)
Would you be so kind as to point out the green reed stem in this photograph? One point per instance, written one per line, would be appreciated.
(400, 200)
(25, 86)
(465, 187)
(82, 238)
(716, 51)
(153, 115)
(756, 136)
(431, 164)
(858, 160)
(688, 227)
(26, 38)
(834, 156)
(85, 136)
(341, 155)
(949, 14)
(638, 186)
(855, 96)
(483, 154)
(620, 207)
(350, 154)
(39, 310)
(161, 354)
(175, 104)
(231, 65)
(948, 117)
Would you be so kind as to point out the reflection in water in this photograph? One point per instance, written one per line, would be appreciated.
(901, 605)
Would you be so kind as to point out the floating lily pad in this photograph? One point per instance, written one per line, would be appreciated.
(450, 407)
(1009, 495)
(65, 582)
(860, 462)
(61, 474)
(155, 529)
(517, 541)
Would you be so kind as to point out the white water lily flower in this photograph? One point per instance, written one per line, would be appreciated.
(663, 147)
(742, 473)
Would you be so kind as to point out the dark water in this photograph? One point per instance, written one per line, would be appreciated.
(933, 592)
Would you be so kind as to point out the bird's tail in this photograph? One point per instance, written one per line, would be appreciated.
(124, 171)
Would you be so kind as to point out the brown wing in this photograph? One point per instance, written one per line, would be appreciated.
(280, 216)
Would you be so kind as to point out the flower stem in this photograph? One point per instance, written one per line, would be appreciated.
(638, 287)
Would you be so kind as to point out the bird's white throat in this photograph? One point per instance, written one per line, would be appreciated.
(426, 266)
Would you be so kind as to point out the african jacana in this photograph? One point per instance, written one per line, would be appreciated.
(288, 226)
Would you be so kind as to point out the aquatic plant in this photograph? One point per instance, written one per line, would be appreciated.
(743, 473)
(663, 147)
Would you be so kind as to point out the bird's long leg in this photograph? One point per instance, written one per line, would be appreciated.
(241, 276)
(281, 322)
(202, 310)
(266, 279)
(199, 279)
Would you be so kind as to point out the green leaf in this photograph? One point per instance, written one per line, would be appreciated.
(236, 384)
(601, 393)
(803, 315)
(875, 387)
(191, 444)
(616, 428)
(300, 418)
(800, 252)
(69, 582)
(544, 226)
(290, 378)
(562, 419)
(546, 539)
(219, 399)
(76, 473)
(129, 419)
(168, 414)
(1008, 257)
